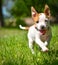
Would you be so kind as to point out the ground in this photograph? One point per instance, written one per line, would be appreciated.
(14, 48)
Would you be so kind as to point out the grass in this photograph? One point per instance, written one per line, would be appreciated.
(14, 49)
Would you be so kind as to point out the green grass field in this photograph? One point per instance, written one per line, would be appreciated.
(14, 49)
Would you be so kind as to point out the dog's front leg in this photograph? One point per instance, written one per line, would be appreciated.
(41, 44)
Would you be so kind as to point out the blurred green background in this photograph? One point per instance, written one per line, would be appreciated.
(13, 12)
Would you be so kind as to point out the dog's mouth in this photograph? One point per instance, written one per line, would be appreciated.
(42, 32)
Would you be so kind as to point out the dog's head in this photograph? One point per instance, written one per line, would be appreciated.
(41, 19)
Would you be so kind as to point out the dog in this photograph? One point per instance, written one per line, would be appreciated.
(40, 32)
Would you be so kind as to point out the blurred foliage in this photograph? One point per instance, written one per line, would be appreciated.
(19, 21)
(14, 23)
(22, 7)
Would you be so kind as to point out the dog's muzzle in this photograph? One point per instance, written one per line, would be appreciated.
(42, 31)
(42, 27)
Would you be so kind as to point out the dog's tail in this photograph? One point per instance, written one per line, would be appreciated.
(24, 28)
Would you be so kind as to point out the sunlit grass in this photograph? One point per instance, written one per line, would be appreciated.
(14, 49)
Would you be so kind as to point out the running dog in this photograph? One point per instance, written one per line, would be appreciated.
(40, 32)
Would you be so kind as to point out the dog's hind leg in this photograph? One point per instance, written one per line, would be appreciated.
(31, 45)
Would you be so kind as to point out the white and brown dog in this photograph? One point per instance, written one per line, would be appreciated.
(40, 32)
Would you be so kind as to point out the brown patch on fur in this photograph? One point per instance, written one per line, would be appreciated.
(26, 28)
(35, 19)
(35, 14)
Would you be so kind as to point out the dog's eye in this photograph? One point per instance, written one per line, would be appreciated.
(46, 20)
(37, 21)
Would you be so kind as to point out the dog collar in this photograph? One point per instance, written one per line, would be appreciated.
(41, 31)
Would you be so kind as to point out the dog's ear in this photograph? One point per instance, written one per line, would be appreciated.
(34, 14)
(47, 10)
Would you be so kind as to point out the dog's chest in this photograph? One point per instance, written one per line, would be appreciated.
(45, 37)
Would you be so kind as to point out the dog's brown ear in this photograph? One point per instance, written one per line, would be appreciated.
(34, 14)
(47, 10)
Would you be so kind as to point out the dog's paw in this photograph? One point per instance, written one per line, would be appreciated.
(45, 50)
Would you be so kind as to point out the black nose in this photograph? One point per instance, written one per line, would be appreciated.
(42, 27)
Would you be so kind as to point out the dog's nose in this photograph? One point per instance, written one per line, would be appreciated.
(42, 27)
